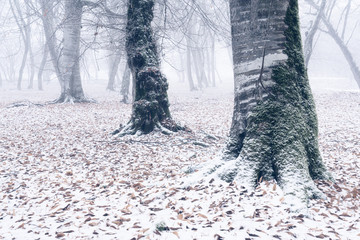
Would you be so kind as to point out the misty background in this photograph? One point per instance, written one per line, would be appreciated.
(328, 68)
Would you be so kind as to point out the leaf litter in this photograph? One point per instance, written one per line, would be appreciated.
(64, 176)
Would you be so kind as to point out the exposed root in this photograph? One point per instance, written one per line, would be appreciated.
(72, 100)
(167, 127)
(24, 104)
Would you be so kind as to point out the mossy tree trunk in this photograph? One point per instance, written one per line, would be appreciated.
(274, 130)
(151, 105)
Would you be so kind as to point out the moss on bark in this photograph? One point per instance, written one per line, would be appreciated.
(151, 105)
(281, 134)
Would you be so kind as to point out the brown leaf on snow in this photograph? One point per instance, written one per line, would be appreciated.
(22, 226)
(176, 234)
(121, 220)
(146, 202)
(253, 235)
(60, 235)
(322, 236)
(93, 224)
(202, 215)
(118, 222)
(155, 209)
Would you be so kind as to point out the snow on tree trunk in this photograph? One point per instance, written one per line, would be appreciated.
(70, 59)
(274, 129)
(151, 105)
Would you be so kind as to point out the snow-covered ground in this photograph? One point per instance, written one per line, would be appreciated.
(62, 175)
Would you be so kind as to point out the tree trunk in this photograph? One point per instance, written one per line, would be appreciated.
(125, 84)
(274, 129)
(31, 54)
(114, 66)
(25, 37)
(70, 59)
(189, 65)
(151, 105)
(42, 67)
(50, 36)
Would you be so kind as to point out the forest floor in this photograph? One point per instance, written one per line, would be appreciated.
(62, 175)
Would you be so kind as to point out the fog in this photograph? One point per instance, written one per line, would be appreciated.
(328, 68)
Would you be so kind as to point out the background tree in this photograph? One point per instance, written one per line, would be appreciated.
(337, 33)
(274, 129)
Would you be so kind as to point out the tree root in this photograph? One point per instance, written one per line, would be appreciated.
(24, 104)
(71, 100)
(167, 127)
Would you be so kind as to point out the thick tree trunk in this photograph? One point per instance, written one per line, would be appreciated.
(151, 105)
(274, 129)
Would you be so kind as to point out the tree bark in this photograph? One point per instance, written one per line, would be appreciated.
(274, 129)
(151, 105)
(70, 58)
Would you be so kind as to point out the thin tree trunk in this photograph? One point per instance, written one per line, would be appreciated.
(42, 67)
(114, 66)
(125, 84)
(31, 55)
(212, 61)
(25, 36)
(189, 66)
